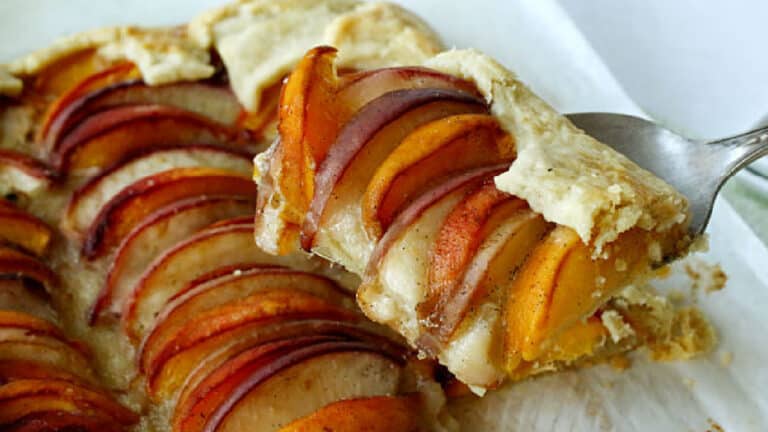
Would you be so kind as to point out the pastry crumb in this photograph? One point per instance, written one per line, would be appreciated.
(726, 358)
(714, 426)
(620, 362)
(705, 276)
(689, 334)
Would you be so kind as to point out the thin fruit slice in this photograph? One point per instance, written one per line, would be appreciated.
(87, 200)
(17, 265)
(21, 398)
(30, 324)
(309, 377)
(199, 299)
(374, 414)
(214, 102)
(137, 201)
(158, 232)
(429, 155)
(51, 352)
(227, 345)
(12, 370)
(369, 137)
(24, 230)
(169, 273)
(22, 296)
(55, 421)
(23, 172)
(108, 137)
(123, 71)
(560, 283)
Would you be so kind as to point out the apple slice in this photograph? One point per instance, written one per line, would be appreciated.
(561, 282)
(123, 71)
(51, 421)
(88, 199)
(16, 295)
(308, 377)
(22, 172)
(108, 137)
(24, 230)
(372, 134)
(22, 398)
(202, 253)
(428, 156)
(157, 232)
(200, 298)
(374, 414)
(18, 265)
(134, 203)
(217, 103)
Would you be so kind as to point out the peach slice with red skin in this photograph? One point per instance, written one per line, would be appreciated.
(207, 295)
(31, 324)
(370, 135)
(12, 370)
(217, 103)
(310, 375)
(21, 229)
(18, 265)
(428, 156)
(307, 133)
(169, 273)
(123, 71)
(22, 398)
(134, 203)
(110, 136)
(375, 414)
(159, 231)
(30, 298)
(24, 172)
(88, 199)
(560, 283)
(51, 421)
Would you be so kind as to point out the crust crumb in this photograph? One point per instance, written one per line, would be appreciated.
(705, 276)
(726, 358)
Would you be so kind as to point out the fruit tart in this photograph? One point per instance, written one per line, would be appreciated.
(488, 230)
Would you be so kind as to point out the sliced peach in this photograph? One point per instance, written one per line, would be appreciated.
(375, 414)
(427, 157)
(86, 202)
(63, 74)
(24, 230)
(223, 290)
(51, 352)
(18, 265)
(454, 187)
(202, 253)
(369, 137)
(50, 421)
(123, 71)
(309, 377)
(21, 296)
(484, 277)
(134, 203)
(23, 172)
(12, 370)
(560, 283)
(223, 347)
(159, 231)
(307, 132)
(217, 103)
(110, 136)
(29, 323)
(183, 368)
(21, 398)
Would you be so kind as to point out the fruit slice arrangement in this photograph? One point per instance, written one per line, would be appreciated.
(47, 381)
(201, 328)
(389, 172)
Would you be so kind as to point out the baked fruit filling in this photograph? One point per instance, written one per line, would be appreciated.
(147, 202)
(489, 232)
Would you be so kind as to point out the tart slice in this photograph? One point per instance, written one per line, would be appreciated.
(489, 231)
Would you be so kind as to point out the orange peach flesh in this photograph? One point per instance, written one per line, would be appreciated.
(429, 155)
(376, 414)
